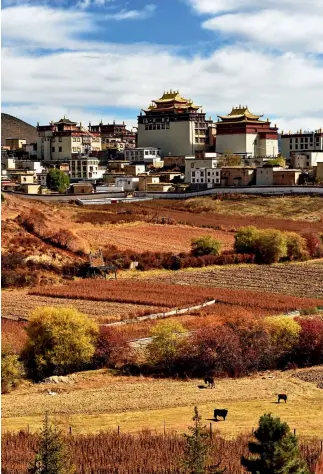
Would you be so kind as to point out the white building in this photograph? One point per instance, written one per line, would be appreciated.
(191, 163)
(128, 183)
(142, 154)
(175, 126)
(64, 140)
(301, 142)
(306, 159)
(243, 133)
(85, 168)
(209, 176)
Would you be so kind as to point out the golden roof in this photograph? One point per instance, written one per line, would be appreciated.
(241, 112)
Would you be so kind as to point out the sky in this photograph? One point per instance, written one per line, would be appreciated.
(94, 60)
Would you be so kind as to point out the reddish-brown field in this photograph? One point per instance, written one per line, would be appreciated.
(13, 334)
(140, 237)
(162, 294)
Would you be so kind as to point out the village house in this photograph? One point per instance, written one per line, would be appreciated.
(286, 177)
(192, 163)
(127, 183)
(16, 143)
(85, 168)
(207, 177)
(143, 154)
(134, 169)
(238, 176)
(144, 180)
(306, 160)
(159, 187)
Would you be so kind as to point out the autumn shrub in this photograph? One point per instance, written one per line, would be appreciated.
(111, 349)
(270, 246)
(309, 350)
(296, 246)
(205, 245)
(245, 239)
(284, 338)
(314, 244)
(11, 369)
(60, 340)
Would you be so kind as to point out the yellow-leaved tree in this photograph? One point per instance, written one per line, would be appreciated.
(284, 335)
(60, 340)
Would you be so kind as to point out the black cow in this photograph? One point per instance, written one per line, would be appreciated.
(209, 381)
(223, 413)
(282, 396)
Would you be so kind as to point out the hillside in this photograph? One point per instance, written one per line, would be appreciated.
(13, 127)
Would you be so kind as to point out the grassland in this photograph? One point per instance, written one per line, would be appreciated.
(306, 208)
(100, 401)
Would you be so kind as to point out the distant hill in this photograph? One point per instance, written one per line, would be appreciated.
(13, 127)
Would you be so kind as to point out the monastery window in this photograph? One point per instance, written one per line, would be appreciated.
(163, 126)
(158, 127)
(146, 127)
(53, 149)
(290, 140)
(193, 173)
(60, 149)
(74, 139)
(167, 125)
(193, 180)
(208, 180)
(296, 147)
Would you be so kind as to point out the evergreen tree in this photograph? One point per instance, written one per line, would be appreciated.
(275, 450)
(197, 447)
(57, 180)
(52, 456)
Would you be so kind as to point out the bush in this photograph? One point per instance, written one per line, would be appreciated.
(314, 244)
(205, 245)
(112, 348)
(310, 347)
(59, 341)
(245, 239)
(284, 338)
(11, 370)
(270, 246)
(296, 246)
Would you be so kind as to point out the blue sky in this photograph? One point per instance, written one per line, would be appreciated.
(107, 59)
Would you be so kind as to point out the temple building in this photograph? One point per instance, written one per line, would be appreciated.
(302, 142)
(115, 138)
(175, 126)
(243, 133)
(64, 140)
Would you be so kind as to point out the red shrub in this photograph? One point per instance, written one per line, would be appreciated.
(310, 347)
(111, 348)
(314, 244)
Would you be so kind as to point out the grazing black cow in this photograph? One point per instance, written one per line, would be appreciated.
(282, 396)
(223, 413)
(209, 381)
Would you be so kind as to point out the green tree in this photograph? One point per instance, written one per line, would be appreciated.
(57, 180)
(59, 340)
(245, 239)
(11, 370)
(205, 245)
(52, 456)
(275, 450)
(166, 343)
(197, 448)
(271, 246)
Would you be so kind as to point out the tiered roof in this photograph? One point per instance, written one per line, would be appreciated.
(172, 101)
(240, 114)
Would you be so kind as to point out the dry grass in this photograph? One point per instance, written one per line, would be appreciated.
(140, 237)
(306, 208)
(99, 401)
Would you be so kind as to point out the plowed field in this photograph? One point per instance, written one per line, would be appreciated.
(141, 237)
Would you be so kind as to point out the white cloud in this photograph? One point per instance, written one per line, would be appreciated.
(286, 25)
(44, 115)
(91, 75)
(124, 14)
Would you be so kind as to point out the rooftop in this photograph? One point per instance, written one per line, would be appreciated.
(242, 112)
